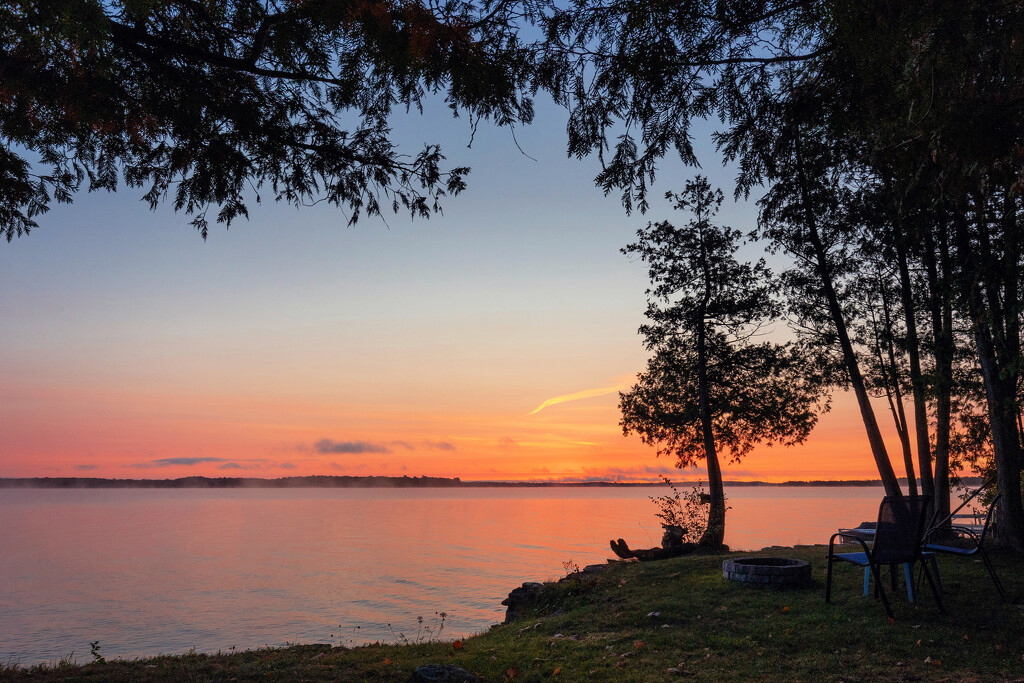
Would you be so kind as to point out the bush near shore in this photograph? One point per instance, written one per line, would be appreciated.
(675, 619)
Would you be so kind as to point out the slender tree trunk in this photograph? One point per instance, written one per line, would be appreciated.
(1001, 403)
(878, 450)
(714, 535)
(895, 395)
(1011, 514)
(917, 381)
(940, 305)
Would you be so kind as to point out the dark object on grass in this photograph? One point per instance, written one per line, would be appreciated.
(897, 540)
(775, 572)
(447, 673)
(521, 598)
(672, 545)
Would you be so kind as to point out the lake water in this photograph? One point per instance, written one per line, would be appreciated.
(148, 572)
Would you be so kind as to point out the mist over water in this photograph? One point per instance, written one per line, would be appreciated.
(148, 572)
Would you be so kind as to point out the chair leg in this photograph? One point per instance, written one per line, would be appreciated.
(931, 583)
(935, 568)
(867, 580)
(877, 571)
(909, 581)
(828, 583)
(992, 573)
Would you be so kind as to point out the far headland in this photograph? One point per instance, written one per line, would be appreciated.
(326, 481)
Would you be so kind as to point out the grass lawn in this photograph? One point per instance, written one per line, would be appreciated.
(669, 620)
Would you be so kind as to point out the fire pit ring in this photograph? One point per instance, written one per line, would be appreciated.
(768, 571)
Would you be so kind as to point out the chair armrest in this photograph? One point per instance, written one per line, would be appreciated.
(846, 535)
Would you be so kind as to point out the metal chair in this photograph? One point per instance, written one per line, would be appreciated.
(897, 540)
(969, 542)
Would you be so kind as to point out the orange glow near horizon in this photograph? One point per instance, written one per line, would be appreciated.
(154, 436)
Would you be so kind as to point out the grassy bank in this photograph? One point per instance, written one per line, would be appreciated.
(667, 620)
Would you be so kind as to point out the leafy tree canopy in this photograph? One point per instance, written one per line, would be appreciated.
(203, 101)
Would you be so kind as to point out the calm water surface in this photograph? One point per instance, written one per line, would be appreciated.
(149, 572)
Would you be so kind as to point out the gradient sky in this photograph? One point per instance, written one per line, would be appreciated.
(487, 343)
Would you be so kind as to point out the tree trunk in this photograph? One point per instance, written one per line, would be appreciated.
(1000, 387)
(917, 381)
(878, 450)
(892, 382)
(714, 535)
(940, 305)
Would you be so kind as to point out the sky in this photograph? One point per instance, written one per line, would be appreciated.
(487, 343)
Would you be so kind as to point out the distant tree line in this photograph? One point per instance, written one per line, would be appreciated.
(314, 481)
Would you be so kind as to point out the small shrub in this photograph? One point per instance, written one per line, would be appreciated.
(687, 510)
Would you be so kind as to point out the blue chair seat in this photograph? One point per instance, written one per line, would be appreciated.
(859, 559)
(949, 549)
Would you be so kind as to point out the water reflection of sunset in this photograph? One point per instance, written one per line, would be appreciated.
(168, 570)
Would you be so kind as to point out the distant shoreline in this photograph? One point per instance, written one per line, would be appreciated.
(367, 482)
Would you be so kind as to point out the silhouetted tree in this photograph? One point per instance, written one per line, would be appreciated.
(712, 385)
(818, 100)
(210, 103)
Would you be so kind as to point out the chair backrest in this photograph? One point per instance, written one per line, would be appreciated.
(988, 518)
(900, 528)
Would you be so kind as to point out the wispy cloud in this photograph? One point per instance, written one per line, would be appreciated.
(85, 467)
(329, 446)
(586, 393)
(172, 462)
(226, 464)
(433, 445)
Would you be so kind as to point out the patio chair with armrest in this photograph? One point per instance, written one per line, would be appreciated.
(897, 540)
(964, 541)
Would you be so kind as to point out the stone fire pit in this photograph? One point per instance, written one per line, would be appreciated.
(768, 571)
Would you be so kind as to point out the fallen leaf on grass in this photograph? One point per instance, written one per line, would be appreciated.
(785, 610)
(512, 673)
(387, 660)
(557, 671)
(638, 644)
(457, 645)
